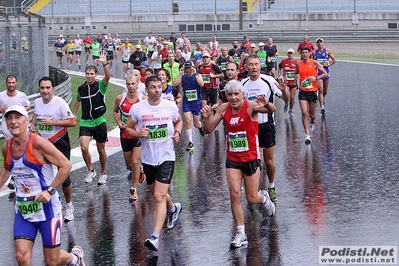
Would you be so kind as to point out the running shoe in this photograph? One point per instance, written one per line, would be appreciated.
(323, 111)
(173, 218)
(90, 175)
(269, 205)
(190, 147)
(286, 108)
(142, 175)
(311, 127)
(152, 243)
(307, 139)
(291, 113)
(80, 67)
(239, 241)
(11, 184)
(78, 252)
(68, 213)
(133, 195)
(201, 130)
(69, 67)
(102, 179)
(272, 194)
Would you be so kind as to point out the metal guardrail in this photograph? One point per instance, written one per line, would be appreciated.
(279, 36)
(63, 90)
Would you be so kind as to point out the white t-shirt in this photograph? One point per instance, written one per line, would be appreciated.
(57, 109)
(159, 146)
(79, 44)
(261, 87)
(156, 63)
(19, 99)
(150, 42)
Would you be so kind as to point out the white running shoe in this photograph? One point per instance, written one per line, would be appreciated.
(307, 139)
(269, 205)
(90, 175)
(102, 179)
(78, 252)
(173, 218)
(239, 241)
(68, 213)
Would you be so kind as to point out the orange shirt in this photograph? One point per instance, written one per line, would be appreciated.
(306, 70)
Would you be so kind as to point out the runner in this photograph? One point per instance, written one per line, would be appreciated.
(168, 92)
(52, 117)
(117, 43)
(242, 153)
(191, 84)
(210, 72)
(78, 50)
(92, 123)
(95, 51)
(87, 43)
(126, 51)
(325, 57)
(59, 50)
(29, 158)
(286, 73)
(131, 146)
(259, 84)
(70, 51)
(159, 125)
(306, 73)
(9, 97)
(272, 53)
(110, 48)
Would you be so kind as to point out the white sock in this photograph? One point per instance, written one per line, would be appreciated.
(271, 185)
(241, 229)
(69, 204)
(189, 133)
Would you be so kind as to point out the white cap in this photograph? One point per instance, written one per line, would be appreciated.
(206, 55)
(319, 39)
(17, 108)
(253, 45)
(291, 51)
(261, 44)
(61, 35)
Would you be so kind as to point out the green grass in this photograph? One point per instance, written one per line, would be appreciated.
(384, 59)
(111, 94)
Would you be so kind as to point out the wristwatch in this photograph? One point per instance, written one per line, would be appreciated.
(51, 190)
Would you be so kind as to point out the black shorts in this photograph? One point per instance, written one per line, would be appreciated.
(310, 96)
(110, 57)
(267, 135)
(130, 144)
(99, 133)
(247, 168)
(87, 50)
(163, 172)
(150, 54)
(78, 52)
(59, 54)
(212, 94)
(64, 146)
(292, 86)
(71, 53)
(95, 57)
(125, 62)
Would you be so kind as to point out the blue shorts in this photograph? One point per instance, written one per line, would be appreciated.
(49, 229)
(328, 73)
(193, 108)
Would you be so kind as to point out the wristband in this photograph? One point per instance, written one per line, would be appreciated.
(266, 105)
(105, 64)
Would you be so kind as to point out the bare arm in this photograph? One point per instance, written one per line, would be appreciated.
(210, 124)
(107, 73)
(321, 69)
(75, 108)
(4, 173)
(178, 125)
(117, 118)
(330, 54)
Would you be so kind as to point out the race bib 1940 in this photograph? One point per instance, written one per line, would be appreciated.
(28, 207)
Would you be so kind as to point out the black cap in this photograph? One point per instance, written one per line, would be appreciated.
(188, 64)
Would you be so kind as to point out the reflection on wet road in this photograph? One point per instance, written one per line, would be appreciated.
(340, 190)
